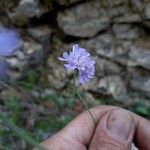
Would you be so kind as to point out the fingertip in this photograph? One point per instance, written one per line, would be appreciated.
(114, 131)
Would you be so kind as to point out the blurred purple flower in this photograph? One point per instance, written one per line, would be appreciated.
(80, 60)
(4, 67)
(9, 41)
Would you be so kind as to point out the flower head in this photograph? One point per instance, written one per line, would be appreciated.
(79, 59)
(9, 41)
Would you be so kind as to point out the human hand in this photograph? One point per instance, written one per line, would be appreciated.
(116, 129)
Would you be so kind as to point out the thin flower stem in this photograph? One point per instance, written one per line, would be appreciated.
(86, 106)
(82, 100)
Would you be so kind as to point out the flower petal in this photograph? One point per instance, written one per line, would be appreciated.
(9, 41)
(65, 55)
(75, 48)
(69, 67)
(62, 59)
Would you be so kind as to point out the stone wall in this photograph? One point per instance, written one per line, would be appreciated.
(116, 32)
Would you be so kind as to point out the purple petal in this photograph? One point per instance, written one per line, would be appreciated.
(82, 51)
(69, 67)
(9, 41)
(83, 77)
(65, 55)
(62, 59)
(75, 48)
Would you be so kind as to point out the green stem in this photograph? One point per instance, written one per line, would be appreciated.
(82, 100)
(86, 106)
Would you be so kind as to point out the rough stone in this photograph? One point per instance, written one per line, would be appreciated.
(124, 14)
(105, 46)
(90, 99)
(30, 54)
(100, 45)
(112, 85)
(106, 67)
(146, 12)
(68, 2)
(17, 18)
(146, 15)
(119, 11)
(126, 31)
(140, 56)
(141, 83)
(114, 3)
(129, 18)
(90, 86)
(57, 78)
(28, 7)
(146, 23)
(137, 5)
(25, 10)
(6, 5)
(80, 21)
(124, 52)
(41, 33)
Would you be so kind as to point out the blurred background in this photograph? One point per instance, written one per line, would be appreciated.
(37, 100)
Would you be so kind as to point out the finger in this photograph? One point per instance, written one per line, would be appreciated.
(81, 129)
(114, 131)
(79, 132)
(142, 133)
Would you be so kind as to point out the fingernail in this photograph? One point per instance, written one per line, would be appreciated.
(119, 124)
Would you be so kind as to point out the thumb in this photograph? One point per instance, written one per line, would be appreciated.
(114, 131)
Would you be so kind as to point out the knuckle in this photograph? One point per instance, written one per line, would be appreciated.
(107, 145)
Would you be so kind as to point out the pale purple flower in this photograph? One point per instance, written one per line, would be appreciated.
(79, 59)
(9, 41)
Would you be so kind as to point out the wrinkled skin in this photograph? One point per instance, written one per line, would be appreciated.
(82, 134)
